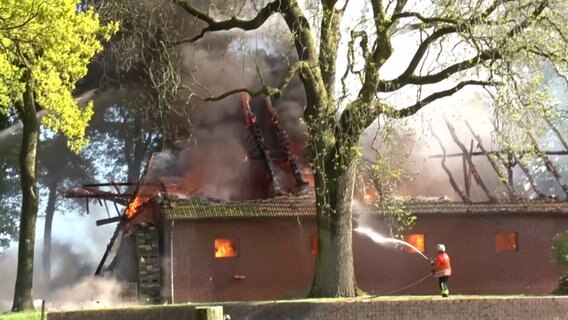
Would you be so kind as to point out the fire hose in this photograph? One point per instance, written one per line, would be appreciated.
(410, 285)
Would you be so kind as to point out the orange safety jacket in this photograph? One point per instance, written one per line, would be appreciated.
(442, 266)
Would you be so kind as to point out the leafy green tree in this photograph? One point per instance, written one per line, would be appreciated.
(44, 50)
(344, 52)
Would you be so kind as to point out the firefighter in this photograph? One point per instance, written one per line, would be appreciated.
(441, 268)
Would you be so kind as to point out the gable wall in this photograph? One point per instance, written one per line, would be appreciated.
(470, 242)
(275, 257)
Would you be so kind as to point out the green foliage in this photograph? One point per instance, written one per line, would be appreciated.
(144, 58)
(560, 255)
(34, 315)
(560, 250)
(388, 170)
(53, 42)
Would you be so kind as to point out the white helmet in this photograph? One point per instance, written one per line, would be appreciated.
(440, 247)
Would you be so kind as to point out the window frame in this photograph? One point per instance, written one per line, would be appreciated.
(314, 244)
(234, 243)
(407, 239)
(505, 236)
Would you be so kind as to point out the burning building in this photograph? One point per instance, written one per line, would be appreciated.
(176, 242)
(180, 190)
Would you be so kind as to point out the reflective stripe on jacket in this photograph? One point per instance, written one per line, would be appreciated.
(442, 266)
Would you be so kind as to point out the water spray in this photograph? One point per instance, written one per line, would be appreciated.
(379, 238)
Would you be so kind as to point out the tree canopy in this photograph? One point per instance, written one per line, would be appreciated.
(45, 48)
(54, 41)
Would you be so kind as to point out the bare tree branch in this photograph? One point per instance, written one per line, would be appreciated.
(400, 4)
(419, 54)
(395, 84)
(411, 110)
(408, 77)
(329, 44)
(423, 19)
(234, 22)
(266, 90)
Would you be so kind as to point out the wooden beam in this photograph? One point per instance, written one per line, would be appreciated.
(472, 167)
(108, 220)
(250, 120)
(284, 140)
(509, 188)
(500, 152)
(447, 170)
(548, 164)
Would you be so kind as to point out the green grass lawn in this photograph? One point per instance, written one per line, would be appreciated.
(34, 315)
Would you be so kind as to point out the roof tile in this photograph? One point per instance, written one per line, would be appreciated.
(286, 206)
(292, 206)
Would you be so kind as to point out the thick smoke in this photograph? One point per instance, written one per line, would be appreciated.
(213, 153)
(417, 137)
(72, 286)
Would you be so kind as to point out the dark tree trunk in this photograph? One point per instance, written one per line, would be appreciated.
(335, 274)
(135, 149)
(23, 299)
(46, 253)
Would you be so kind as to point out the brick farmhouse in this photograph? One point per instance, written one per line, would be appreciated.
(181, 250)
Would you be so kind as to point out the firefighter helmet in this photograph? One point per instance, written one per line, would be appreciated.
(440, 247)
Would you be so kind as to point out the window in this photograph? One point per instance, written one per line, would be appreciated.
(506, 241)
(226, 248)
(416, 240)
(314, 244)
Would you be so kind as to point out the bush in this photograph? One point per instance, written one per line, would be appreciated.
(560, 255)
(32, 315)
(560, 249)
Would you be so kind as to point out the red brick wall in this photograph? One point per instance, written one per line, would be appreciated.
(470, 242)
(276, 260)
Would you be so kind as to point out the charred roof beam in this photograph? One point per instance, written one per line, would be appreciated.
(250, 120)
(284, 140)
(472, 167)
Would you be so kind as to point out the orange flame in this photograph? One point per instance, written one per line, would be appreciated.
(225, 248)
(417, 240)
(370, 196)
(133, 207)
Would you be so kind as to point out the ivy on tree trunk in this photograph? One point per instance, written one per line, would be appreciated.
(23, 299)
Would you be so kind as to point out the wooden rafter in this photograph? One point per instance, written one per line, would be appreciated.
(508, 187)
(453, 182)
(548, 164)
(250, 120)
(284, 140)
(472, 167)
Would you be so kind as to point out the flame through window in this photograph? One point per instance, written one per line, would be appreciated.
(226, 248)
(416, 240)
(506, 241)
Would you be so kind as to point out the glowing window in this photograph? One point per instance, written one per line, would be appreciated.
(506, 241)
(314, 244)
(226, 248)
(416, 240)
